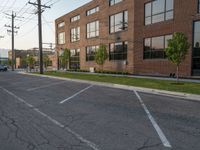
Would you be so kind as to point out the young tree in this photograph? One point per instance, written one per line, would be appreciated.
(65, 58)
(101, 55)
(30, 61)
(177, 49)
(23, 62)
(46, 61)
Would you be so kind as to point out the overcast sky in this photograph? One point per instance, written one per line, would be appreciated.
(27, 36)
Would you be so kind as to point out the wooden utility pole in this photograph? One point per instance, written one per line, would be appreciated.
(39, 12)
(13, 16)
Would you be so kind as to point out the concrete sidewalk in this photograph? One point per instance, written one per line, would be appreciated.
(131, 88)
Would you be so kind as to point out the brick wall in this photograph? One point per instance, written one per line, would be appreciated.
(185, 12)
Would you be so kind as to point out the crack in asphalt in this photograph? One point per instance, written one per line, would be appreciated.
(146, 145)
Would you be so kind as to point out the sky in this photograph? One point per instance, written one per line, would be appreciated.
(27, 36)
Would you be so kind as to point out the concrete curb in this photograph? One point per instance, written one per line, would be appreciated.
(125, 87)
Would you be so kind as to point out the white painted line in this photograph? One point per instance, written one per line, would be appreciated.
(44, 86)
(161, 135)
(79, 137)
(83, 90)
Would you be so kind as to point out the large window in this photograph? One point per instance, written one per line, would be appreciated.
(61, 38)
(159, 10)
(93, 29)
(90, 52)
(198, 6)
(62, 24)
(92, 11)
(154, 47)
(119, 22)
(75, 59)
(196, 49)
(113, 2)
(75, 34)
(118, 51)
(75, 18)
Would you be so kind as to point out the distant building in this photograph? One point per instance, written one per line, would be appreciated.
(20, 57)
(4, 56)
(135, 33)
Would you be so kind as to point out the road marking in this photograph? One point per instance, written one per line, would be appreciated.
(79, 137)
(161, 135)
(44, 86)
(83, 90)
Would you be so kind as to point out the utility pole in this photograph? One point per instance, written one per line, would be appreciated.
(39, 12)
(13, 15)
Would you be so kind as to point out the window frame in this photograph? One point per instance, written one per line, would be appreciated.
(114, 2)
(125, 27)
(198, 6)
(165, 12)
(61, 24)
(75, 59)
(59, 40)
(75, 18)
(96, 9)
(77, 33)
(112, 56)
(88, 59)
(96, 31)
(151, 49)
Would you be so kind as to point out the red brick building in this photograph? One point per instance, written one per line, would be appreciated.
(135, 33)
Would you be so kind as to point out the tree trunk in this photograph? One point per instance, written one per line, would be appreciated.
(177, 73)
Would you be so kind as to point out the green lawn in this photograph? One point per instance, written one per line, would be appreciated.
(185, 87)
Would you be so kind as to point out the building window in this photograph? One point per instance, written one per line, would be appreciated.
(93, 29)
(198, 6)
(75, 34)
(158, 11)
(196, 49)
(61, 38)
(75, 18)
(118, 51)
(74, 58)
(154, 47)
(90, 52)
(113, 2)
(119, 22)
(62, 24)
(92, 11)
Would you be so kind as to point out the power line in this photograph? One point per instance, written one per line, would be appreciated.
(28, 32)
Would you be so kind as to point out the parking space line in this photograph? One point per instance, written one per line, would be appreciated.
(44, 86)
(160, 133)
(79, 137)
(81, 91)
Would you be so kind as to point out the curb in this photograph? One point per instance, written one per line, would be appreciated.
(186, 96)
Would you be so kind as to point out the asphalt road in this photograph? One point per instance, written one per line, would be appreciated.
(39, 113)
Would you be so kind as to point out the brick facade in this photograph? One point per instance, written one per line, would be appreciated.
(185, 12)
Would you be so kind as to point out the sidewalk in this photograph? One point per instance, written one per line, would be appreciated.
(179, 95)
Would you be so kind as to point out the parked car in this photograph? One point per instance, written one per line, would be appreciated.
(3, 68)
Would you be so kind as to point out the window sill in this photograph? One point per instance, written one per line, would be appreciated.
(75, 41)
(157, 23)
(117, 60)
(96, 37)
(156, 59)
(118, 32)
